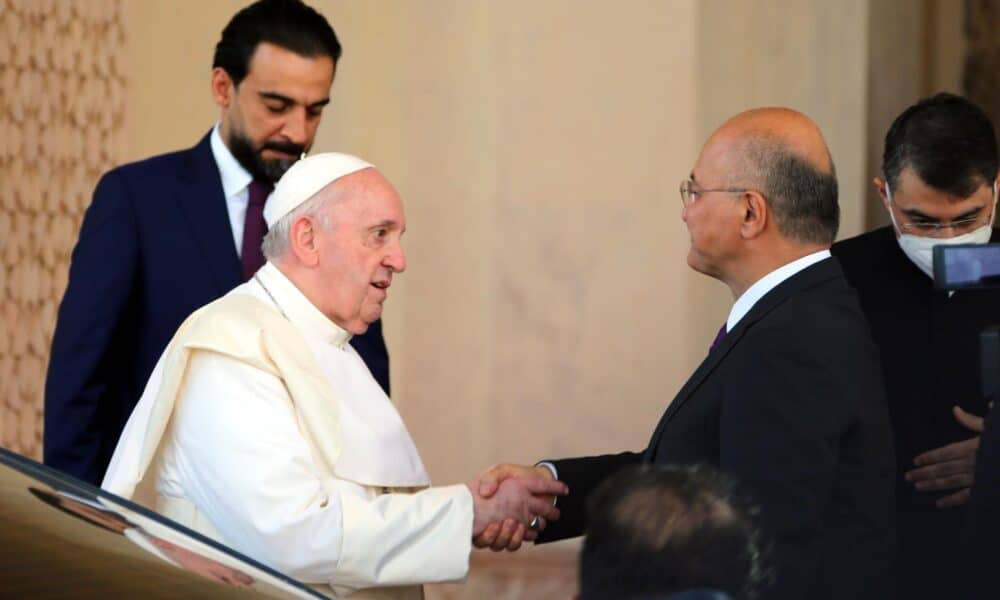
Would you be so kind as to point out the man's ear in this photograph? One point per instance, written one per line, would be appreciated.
(879, 184)
(223, 88)
(755, 214)
(302, 238)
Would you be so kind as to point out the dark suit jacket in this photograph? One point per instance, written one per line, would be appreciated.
(929, 344)
(155, 245)
(977, 554)
(791, 403)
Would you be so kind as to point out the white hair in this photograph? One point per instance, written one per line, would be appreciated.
(277, 239)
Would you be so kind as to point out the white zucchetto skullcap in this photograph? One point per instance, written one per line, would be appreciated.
(305, 178)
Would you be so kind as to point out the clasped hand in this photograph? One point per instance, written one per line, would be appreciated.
(506, 499)
(950, 467)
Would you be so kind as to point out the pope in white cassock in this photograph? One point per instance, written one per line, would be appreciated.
(262, 428)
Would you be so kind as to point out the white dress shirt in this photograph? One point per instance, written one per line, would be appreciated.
(235, 186)
(767, 283)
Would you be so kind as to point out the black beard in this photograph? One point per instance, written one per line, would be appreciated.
(258, 166)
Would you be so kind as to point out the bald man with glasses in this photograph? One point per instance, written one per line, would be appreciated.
(790, 399)
(939, 186)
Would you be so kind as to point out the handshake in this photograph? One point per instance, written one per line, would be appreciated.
(512, 504)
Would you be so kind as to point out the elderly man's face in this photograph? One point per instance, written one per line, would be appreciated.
(360, 250)
(713, 216)
(271, 118)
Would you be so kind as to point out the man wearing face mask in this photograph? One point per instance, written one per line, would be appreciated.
(939, 187)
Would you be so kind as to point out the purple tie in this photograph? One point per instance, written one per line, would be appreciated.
(254, 228)
(718, 338)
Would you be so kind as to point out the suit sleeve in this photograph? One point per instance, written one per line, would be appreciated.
(782, 417)
(102, 276)
(371, 347)
(977, 553)
(582, 475)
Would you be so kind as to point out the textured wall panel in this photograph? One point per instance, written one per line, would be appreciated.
(981, 79)
(62, 93)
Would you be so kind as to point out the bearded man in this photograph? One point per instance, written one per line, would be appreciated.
(167, 235)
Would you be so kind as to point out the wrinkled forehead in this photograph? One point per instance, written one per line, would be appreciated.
(366, 195)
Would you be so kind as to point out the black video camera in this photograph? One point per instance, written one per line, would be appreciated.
(965, 266)
(974, 266)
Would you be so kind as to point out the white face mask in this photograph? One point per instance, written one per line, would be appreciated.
(920, 249)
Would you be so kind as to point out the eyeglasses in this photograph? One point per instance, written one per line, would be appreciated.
(936, 229)
(689, 193)
(939, 230)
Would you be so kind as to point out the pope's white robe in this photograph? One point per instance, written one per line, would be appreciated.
(262, 428)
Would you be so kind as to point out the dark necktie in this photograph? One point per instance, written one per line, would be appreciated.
(254, 228)
(718, 338)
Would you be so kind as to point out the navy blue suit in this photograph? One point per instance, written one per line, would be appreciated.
(791, 403)
(155, 244)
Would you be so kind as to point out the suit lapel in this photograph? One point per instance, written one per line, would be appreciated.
(705, 369)
(203, 205)
(810, 276)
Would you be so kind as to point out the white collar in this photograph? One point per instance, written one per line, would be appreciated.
(767, 283)
(235, 178)
(292, 303)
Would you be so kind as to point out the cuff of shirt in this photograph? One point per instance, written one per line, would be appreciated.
(551, 467)
(555, 475)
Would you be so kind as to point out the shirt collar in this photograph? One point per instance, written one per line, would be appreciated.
(767, 283)
(297, 308)
(235, 178)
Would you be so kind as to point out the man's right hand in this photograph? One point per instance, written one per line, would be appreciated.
(950, 467)
(508, 534)
(491, 479)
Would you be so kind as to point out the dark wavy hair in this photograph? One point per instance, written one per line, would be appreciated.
(948, 141)
(290, 24)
